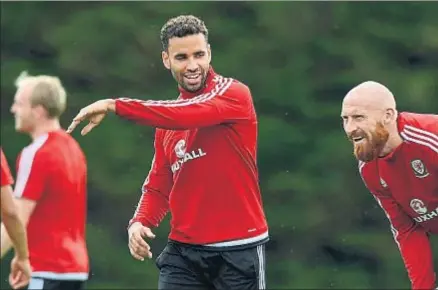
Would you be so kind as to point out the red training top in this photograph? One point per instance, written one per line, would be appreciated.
(405, 184)
(204, 169)
(52, 171)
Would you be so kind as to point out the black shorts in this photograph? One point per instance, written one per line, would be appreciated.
(186, 267)
(48, 284)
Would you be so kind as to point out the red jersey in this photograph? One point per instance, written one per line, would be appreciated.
(204, 169)
(405, 184)
(6, 177)
(52, 171)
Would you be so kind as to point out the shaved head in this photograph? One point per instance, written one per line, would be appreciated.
(369, 118)
(371, 95)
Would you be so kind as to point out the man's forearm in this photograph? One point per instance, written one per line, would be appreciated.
(17, 236)
(151, 209)
(6, 243)
(13, 231)
(418, 258)
(214, 108)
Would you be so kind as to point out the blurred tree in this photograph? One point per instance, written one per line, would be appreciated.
(299, 59)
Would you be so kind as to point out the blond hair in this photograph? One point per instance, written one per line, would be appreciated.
(47, 91)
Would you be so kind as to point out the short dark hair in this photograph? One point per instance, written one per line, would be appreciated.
(181, 26)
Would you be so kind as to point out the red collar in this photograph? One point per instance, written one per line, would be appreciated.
(207, 87)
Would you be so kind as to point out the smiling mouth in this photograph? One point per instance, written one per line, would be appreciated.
(192, 77)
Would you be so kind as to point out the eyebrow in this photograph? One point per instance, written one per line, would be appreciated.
(353, 113)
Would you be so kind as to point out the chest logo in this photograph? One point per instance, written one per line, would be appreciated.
(418, 206)
(184, 156)
(420, 170)
(180, 148)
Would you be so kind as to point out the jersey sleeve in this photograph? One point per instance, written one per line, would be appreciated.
(31, 174)
(6, 176)
(411, 239)
(228, 102)
(154, 202)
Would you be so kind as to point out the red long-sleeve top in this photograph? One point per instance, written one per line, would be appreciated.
(204, 169)
(405, 184)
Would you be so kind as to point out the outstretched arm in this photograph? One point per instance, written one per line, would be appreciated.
(229, 102)
(224, 104)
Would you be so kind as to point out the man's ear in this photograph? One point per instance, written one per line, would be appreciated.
(209, 52)
(166, 59)
(389, 116)
(39, 111)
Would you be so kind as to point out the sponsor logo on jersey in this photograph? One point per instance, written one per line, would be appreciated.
(184, 156)
(418, 206)
(428, 216)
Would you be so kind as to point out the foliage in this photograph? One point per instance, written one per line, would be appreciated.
(299, 59)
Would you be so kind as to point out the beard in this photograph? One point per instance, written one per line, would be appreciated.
(372, 143)
(186, 84)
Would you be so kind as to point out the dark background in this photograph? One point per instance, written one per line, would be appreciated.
(299, 59)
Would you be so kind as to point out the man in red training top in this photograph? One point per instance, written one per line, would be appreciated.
(398, 162)
(51, 187)
(204, 170)
(20, 265)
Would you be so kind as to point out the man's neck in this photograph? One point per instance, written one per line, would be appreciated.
(393, 142)
(44, 128)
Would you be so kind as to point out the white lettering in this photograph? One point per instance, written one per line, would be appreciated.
(194, 154)
(428, 216)
(187, 157)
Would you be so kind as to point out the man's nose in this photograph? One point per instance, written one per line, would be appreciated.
(349, 127)
(192, 65)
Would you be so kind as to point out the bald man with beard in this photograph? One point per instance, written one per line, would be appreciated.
(398, 162)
